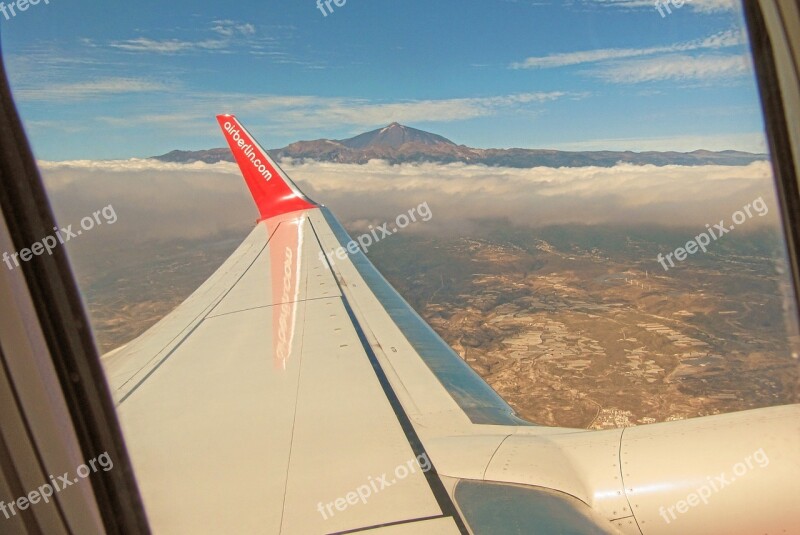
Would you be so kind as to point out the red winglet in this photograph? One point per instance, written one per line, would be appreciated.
(273, 192)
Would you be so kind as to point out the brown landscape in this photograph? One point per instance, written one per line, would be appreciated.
(573, 326)
(593, 337)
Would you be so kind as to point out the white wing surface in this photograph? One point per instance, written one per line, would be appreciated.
(297, 392)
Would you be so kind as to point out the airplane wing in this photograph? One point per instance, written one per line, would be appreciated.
(297, 392)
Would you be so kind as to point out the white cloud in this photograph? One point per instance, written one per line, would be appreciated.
(229, 28)
(719, 40)
(586, 56)
(626, 4)
(136, 165)
(226, 29)
(457, 193)
(699, 6)
(625, 194)
(225, 35)
(168, 46)
(748, 142)
(332, 112)
(714, 6)
(297, 112)
(676, 67)
(91, 89)
(290, 112)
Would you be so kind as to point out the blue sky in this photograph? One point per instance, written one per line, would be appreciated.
(140, 79)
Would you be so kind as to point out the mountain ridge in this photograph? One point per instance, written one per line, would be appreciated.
(399, 144)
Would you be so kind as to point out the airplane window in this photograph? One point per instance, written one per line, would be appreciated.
(598, 225)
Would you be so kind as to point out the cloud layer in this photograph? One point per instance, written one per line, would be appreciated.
(162, 201)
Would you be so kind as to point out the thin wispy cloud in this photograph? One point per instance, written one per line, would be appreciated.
(290, 113)
(221, 36)
(676, 68)
(714, 6)
(167, 46)
(91, 89)
(314, 112)
(229, 28)
(699, 6)
(366, 113)
(229, 33)
(726, 39)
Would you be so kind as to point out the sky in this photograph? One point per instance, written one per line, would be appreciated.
(136, 79)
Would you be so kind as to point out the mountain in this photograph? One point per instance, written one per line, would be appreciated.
(402, 144)
(207, 156)
(395, 136)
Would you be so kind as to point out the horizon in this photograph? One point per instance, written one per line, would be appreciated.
(222, 146)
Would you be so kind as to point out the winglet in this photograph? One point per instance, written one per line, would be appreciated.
(273, 191)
